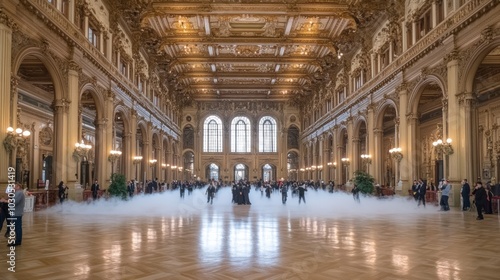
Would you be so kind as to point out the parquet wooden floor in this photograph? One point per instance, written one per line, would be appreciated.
(330, 237)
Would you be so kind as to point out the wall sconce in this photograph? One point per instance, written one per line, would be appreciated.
(332, 165)
(14, 137)
(81, 150)
(320, 167)
(443, 147)
(152, 162)
(114, 155)
(173, 167)
(180, 168)
(396, 154)
(313, 167)
(163, 165)
(345, 161)
(366, 159)
(137, 159)
(302, 170)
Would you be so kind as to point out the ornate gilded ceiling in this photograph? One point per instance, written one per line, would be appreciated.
(247, 49)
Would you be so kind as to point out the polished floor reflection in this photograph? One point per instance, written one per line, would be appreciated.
(330, 237)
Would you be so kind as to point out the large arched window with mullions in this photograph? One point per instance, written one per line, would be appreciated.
(267, 135)
(240, 135)
(212, 135)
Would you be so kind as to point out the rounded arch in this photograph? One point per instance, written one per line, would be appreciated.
(340, 136)
(472, 65)
(358, 123)
(419, 88)
(98, 100)
(49, 63)
(141, 125)
(379, 118)
(124, 114)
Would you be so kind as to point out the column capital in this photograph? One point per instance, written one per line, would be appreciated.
(6, 20)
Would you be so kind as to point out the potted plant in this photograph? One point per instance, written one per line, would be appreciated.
(118, 187)
(364, 182)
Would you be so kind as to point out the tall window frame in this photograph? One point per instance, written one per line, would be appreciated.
(212, 135)
(241, 135)
(267, 135)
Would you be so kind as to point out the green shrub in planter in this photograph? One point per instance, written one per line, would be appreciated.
(118, 187)
(364, 181)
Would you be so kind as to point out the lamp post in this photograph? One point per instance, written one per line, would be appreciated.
(81, 151)
(366, 160)
(14, 138)
(345, 163)
(445, 149)
(332, 165)
(136, 160)
(112, 157)
(152, 163)
(397, 156)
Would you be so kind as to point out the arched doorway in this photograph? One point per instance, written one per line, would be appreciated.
(292, 165)
(212, 172)
(35, 89)
(388, 133)
(188, 165)
(430, 126)
(485, 138)
(240, 172)
(343, 140)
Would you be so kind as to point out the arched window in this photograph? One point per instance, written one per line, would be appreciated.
(212, 135)
(267, 135)
(240, 135)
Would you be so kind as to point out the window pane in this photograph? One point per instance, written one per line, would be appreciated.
(267, 135)
(212, 135)
(240, 135)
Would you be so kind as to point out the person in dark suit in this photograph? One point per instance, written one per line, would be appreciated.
(210, 193)
(18, 195)
(131, 188)
(302, 190)
(95, 189)
(480, 198)
(62, 191)
(465, 192)
(284, 193)
(421, 191)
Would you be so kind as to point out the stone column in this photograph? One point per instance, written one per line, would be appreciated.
(71, 11)
(73, 128)
(350, 148)
(282, 149)
(61, 144)
(148, 147)
(101, 156)
(413, 32)
(411, 153)
(463, 146)
(109, 143)
(404, 168)
(5, 92)
(371, 150)
(452, 120)
(356, 163)
(133, 144)
(379, 154)
(109, 46)
(434, 13)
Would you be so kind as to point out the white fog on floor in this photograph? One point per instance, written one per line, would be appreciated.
(319, 204)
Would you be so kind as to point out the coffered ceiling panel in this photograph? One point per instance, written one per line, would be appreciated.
(248, 49)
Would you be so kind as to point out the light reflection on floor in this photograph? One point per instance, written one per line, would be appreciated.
(186, 239)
